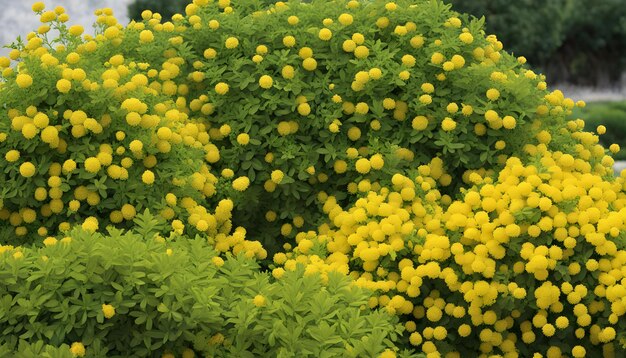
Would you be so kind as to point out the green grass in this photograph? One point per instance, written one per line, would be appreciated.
(610, 114)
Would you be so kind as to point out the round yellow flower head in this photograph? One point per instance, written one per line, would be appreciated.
(325, 34)
(231, 42)
(108, 310)
(27, 169)
(241, 183)
(266, 82)
(221, 88)
(78, 349)
(259, 300)
(24, 80)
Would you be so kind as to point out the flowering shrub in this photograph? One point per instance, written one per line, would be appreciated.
(85, 132)
(389, 141)
(139, 294)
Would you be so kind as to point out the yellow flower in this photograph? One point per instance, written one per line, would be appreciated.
(417, 41)
(147, 177)
(231, 42)
(92, 165)
(24, 80)
(304, 109)
(243, 139)
(349, 46)
(210, 53)
(579, 352)
(266, 82)
(241, 183)
(426, 99)
(361, 52)
(363, 166)
(466, 38)
(76, 30)
(29, 131)
(454, 22)
(493, 94)
(415, 339)
(437, 58)
(288, 72)
(289, 41)
(38, 6)
(90, 224)
(277, 176)
(325, 34)
(508, 122)
(391, 6)
(146, 36)
(64, 85)
(448, 124)
(345, 19)
(48, 16)
(221, 88)
(77, 349)
(27, 169)
(111, 32)
(259, 301)
(377, 162)
(309, 64)
(420, 123)
(108, 310)
(50, 241)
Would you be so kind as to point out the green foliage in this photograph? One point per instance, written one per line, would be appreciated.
(171, 295)
(37, 349)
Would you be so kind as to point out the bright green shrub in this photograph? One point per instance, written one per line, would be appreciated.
(137, 294)
(409, 150)
(39, 349)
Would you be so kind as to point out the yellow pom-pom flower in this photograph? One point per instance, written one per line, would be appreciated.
(221, 88)
(24, 80)
(259, 300)
(108, 311)
(241, 183)
(231, 42)
(27, 169)
(147, 177)
(92, 165)
(64, 86)
(325, 34)
(266, 82)
(77, 349)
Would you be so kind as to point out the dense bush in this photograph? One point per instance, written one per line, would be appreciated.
(136, 294)
(389, 141)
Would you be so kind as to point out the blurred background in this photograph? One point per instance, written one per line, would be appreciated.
(580, 45)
